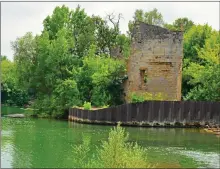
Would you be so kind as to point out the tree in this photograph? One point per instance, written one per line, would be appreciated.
(109, 40)
(11, 94)
(25, 58)
(152, 17)
(203, 75)
(99, 79)
(180, 24)
(58, 20)
(194, 41)
(3, 57)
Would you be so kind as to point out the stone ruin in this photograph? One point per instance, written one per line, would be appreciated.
(155, 63)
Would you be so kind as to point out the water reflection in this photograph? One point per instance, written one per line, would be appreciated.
(37, 143)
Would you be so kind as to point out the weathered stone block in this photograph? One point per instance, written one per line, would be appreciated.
(160, 53)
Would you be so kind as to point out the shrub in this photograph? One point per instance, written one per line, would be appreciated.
(141, 97)
(116, 152)
(106, 106)
(81, 159)
(135, 98)
(87, 105)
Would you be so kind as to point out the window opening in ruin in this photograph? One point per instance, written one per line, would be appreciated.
(139, 37)
(144, 78)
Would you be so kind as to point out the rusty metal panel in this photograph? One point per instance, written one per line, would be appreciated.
(77, 113)
(150, 111)
(118, 113)
(155, 110)
(197, 114)
(97, 114)
(186, 110)
(177, 114)
(113, 114)
(202, 111)
(217, 111)
(146, 109)
(140, 112)
(109, 114)
(85, 114)
(133, 111)
(90, 115)
(123, 113)
(193, 110)
(161, 112)
(103, 114)
(166, 110)
(128, 112)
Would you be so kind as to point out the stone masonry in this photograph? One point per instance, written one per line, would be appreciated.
(155, 64)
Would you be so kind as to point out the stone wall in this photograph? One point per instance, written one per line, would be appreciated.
(155, 64)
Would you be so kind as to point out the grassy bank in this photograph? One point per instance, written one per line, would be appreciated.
(6, 110)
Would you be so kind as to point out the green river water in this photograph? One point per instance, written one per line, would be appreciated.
(38, 143)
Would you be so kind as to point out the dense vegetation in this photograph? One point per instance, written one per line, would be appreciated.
(80, 59)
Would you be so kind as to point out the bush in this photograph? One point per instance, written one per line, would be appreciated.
(135, 98)
(105, 106)
(87, 105)
(116, 152)
(141, 97)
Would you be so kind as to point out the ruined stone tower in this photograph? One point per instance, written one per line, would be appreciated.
(155, 64)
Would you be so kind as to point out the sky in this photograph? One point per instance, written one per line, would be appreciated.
(17, 18)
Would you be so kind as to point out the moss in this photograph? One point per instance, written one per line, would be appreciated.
(167, 124)
(156, 124)
(178, 124)
(146, 124)
(197, 124)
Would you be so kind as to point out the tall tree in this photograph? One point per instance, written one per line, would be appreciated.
(201, 64)
(153, 17)
(25, 58)
(180, 24)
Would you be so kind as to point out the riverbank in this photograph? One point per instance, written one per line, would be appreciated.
(27, 112)
(8, 110)
(145, 124)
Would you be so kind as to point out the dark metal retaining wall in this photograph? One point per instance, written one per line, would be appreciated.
(153, 113)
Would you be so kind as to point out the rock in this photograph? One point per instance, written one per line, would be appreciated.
(15, 115)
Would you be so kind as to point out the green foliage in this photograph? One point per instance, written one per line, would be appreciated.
(87, 106)
(100, 79)
(201, 60)
(81, 158)
(141, 97)
(116, 152)
(203, 75)
(58, 20)
(135, 98)
(59, 66)
(152, 17)
(209, 88)
(194, 40)
(76, 59)
(105, 106)
(180, 24)
(11, 94)
(100, 97)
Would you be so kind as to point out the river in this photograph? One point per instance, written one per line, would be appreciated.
(38, 143)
